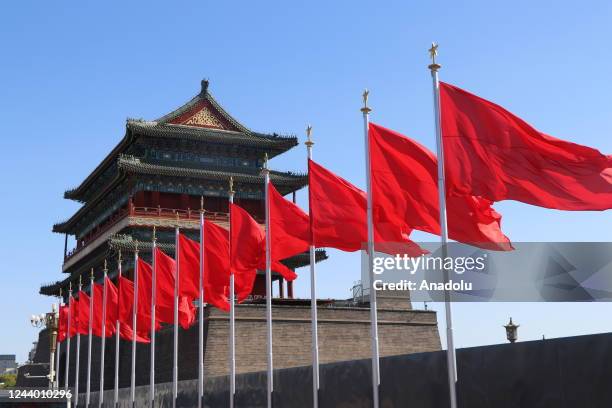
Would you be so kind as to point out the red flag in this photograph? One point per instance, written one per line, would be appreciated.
(165, 268)
(216, 265)
(112, 304)
(289, 227)
(74, 316)
(125, 313)
(143, 315)
(62, 330)
(189, 261)
(98, 311)
(247, 239)
(405, 190)
(338, 211)
(490, 152)
(83, 313)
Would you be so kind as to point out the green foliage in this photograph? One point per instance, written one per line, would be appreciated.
(8, 380)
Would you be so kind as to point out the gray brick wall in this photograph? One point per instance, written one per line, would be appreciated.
(344, 334)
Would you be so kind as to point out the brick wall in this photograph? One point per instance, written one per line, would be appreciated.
(344, 334)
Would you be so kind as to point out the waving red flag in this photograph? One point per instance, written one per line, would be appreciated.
(125, 313)
(96, 321)
(143, 316)
(189, 261)
(247, 239)
(98, 313)
(216, 265)
(492, 153)
(74, 316)
(289, 227)
(112, 304)
(164, 294)
(62, 330)
(248, 252)
(338, 211)
(405, 190)
(83, 313)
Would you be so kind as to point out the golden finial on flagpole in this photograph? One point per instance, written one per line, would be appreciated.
(105, 266)
(70, 287)
(60, 293)
(154, 235)
(119, 257)
(231, 185)
(309, 141)
(91, 275)
(365, 96)
(201, 203)
(433, 53)
(265, 164)
(136, 247)
(80, 280)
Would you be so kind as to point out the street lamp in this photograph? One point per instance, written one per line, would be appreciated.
(511, 331)
(49, 321)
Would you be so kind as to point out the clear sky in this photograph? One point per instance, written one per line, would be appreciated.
(72, 72)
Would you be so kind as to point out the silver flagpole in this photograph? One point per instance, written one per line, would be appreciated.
(153, 293)
(266, 173)
(102, 351)
(232, 326)
(177, 279)
(57, 354)
(117, 342)
(91, 312)
(450, 347)
(373, 312)
(78, 354)
(201, 307)
(313, 293)
(67, 369)
(134, 329)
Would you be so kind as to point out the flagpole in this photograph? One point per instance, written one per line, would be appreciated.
(59, 344)
(450, 347)
(201, 307)
(266, 173)
(91, 312)
(117, 342)
(313, 291)
(232, 326)
(67, 370)
(370, 219)
(176, 304)
(134, 329)
(102, 352)
(153, 293)
(78, 353)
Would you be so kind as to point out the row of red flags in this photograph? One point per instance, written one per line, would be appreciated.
(490, 155)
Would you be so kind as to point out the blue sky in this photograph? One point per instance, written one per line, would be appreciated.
(71, 73)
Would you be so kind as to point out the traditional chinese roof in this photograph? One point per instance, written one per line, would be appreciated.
(285, 182)
(201, 119)
(137, 166)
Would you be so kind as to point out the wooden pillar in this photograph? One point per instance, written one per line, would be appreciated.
(281, 287)
(130, 205)
(290, 289)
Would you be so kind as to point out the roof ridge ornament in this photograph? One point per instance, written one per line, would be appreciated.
(204, 84)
